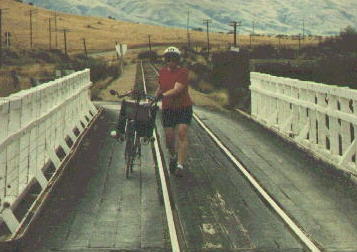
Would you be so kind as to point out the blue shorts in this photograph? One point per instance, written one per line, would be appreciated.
(170, 118)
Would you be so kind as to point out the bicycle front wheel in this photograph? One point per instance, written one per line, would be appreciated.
(129, 149)
(136, 150)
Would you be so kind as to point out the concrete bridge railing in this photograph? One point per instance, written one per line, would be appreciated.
(34, 125)
(322, 118)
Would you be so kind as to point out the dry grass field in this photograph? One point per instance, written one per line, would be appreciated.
(101, 33)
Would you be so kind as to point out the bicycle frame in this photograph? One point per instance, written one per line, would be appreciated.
(133, 144)
(132, 147)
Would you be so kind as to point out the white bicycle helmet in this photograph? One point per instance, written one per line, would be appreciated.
(172, 50)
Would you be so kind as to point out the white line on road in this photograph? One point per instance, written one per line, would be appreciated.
(168, 207)
(294, 227)
(165, 193)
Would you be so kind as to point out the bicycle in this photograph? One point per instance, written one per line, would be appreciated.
(139, 120)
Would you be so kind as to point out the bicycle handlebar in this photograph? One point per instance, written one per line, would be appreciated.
(115, 93)
(139, 94)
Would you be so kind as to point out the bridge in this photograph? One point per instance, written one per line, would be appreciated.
(282, 178)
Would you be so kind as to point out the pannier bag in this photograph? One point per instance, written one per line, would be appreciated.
(144, 115)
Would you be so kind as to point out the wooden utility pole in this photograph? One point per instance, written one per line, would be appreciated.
(189, 40)
(56, 29)
(235, 24)
(207, 21)
(299, 38)
(149, 44)
(31, 12)
(50, 33)
(188, 33)
(303, 29)
(65, 41)
(30, 28)
(1, 38)
(1, 13)
(85, 47)
(252, 34)
(65, 30)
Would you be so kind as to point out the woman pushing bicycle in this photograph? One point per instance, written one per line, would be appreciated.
(176, 108)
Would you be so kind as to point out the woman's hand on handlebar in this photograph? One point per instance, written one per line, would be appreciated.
(159, 97)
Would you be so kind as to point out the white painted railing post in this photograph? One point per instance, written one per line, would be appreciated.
(4, 115)
(322, 118)
(13, 150)
(333, 126)
(34, 124)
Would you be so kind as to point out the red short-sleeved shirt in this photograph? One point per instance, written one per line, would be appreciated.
(167, 80)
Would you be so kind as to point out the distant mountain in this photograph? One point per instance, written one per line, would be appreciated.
(320, 17)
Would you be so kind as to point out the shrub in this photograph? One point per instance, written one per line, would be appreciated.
(99, 69)
(336, 70)
(151, 55)
(287, 69)
(264, 52)
(345, 43)
(287, 53)
(231, 68)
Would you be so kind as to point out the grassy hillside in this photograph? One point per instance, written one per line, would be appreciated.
(22, 67)
(101, 33)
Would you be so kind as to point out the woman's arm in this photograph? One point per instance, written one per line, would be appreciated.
(178, 88)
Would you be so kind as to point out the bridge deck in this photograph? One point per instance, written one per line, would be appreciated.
(318, 197)
(95, 207)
